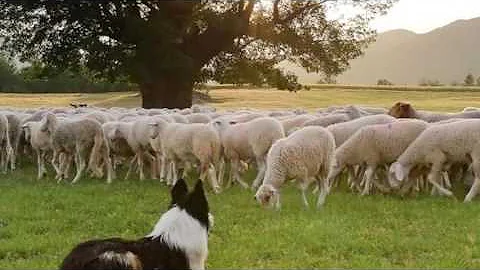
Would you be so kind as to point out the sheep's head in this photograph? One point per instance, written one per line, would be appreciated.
(402, 110)
(222, 124)
(265, 194)
(26, 131)
(153, 130)
(49, 123)
(397, 173)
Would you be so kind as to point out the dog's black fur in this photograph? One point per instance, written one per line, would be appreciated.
(147, 252)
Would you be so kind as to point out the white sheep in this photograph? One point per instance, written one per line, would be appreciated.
(116, 137)
(327, 120)
(305, 154)
(375, 146)
(440, 145)
(40, 142)
(198, 118)
(296, 121)
(249, 141)
(196, 143)
(342, 131)
(75, 138)
(5, 145)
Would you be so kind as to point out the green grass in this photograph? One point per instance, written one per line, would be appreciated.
(40, 221)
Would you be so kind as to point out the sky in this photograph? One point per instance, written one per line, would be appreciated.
(422, 16)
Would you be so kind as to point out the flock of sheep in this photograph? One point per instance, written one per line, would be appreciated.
(398, 150)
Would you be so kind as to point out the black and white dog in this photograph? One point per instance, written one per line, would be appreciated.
(178, 241)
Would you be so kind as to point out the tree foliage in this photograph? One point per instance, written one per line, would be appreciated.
(469, 80)
(165, 46)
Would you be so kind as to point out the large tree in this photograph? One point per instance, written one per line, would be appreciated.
(166, 46)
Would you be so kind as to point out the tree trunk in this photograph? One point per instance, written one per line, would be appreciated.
(167, 93)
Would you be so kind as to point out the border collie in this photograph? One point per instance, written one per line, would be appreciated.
(179, 240)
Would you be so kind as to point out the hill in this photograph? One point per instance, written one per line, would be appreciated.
(445, 54)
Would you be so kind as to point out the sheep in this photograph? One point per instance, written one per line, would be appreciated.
(139, 141)
(342, 131)
(74, 138)
(157, 127)
(5, 145)
(405, 110)
(192, 143)
(247, 141)
(14, 134)
(40, 142)
(305, 154)
(439, 145)
(296, 121)
(198, 118)
(375, 145)
(328, 120)
(116, 137)
(178, 118)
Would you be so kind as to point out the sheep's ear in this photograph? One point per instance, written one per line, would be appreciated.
(197, 204)
(179, 192)
(44, 126)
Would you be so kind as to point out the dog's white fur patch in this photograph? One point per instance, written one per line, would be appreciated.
(179, 230)
(127, 259)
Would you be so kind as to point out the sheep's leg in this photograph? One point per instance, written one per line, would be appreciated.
(131, 164)
(212, 175)
(261, 172)
(277, 201)
(54, 161)
(174, 173)
(187, 167)
(153, 165)
(61, 167)
(169, 172)
(323, 185)
(236, 173)
(68, 165)
(39, 164)
(368, 176)
(230, 176)
(476, 182)
(303, 188)
(140, 163)
(110, 171)
(160, 161)
(221, 171)
(433, 177)
(163, 168)
(81, 165)
(13, 159)
(3, 161)
(446, 179)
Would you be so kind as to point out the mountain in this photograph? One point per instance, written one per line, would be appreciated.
(446, 54)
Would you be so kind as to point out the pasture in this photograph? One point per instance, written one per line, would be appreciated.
(40, 221)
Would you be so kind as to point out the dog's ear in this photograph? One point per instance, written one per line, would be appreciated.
(197, 204)
(179, 192)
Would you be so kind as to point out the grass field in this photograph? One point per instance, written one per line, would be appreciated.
(428, 99)
(40, 221)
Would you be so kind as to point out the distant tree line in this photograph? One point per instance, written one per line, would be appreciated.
(469, 80)
(39, 78)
